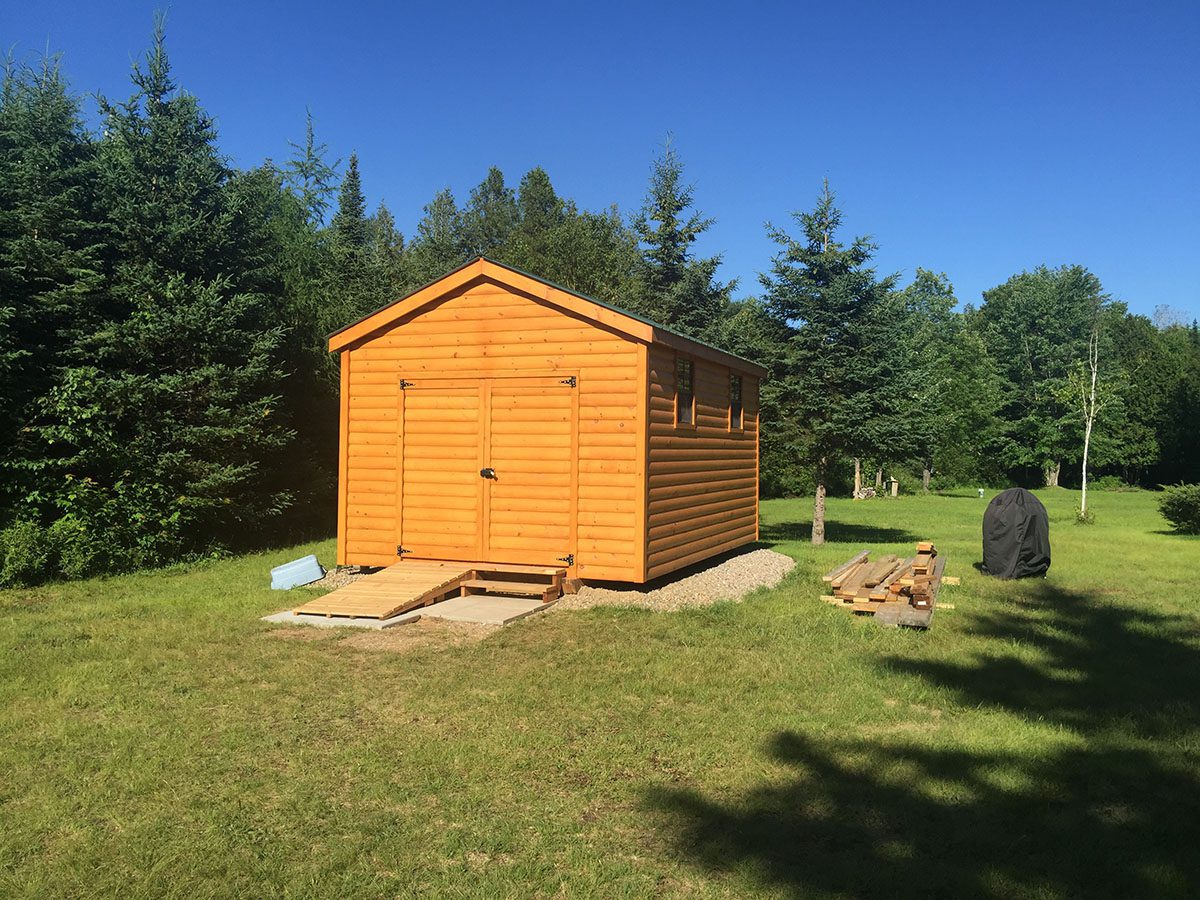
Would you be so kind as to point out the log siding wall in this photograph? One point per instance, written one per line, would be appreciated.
(491, 329)
(702, 478)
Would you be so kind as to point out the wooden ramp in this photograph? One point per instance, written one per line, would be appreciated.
(392, 591)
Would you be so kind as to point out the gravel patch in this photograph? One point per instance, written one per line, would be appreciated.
(728, 578)
(336, 578)
(725, 578)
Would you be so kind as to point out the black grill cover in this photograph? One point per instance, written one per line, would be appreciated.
(1016, 535)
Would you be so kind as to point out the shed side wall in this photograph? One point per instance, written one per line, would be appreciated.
(487, 330)
(702, 485)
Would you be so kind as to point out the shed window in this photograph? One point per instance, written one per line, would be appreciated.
(735, 401)
(685, 392)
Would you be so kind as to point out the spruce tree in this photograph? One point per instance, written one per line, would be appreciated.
(387, 250)
(309, 175)
(355, 280)
(440, 244)
(50, 255)
(680, 290)
(490, 216)
(349, 225)
(540, 212)
(834, 377)
(166, 434)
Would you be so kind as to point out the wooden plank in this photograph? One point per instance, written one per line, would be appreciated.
(397, 589)
(644, 509)
(848, 574)
(343, 499)
(852, 581)
(880, 570)
(883, 589)
(845, 567)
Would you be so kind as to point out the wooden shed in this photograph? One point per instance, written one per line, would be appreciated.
(494, 417)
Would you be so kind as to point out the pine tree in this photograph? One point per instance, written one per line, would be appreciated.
(349, 225)
(166, 434)
(539, 208)
(680, 290)
(540, 213)
(309, 175)
(490, 216)
(440, 244)
(835, 376)
(355, 280)
(50, 266)
(387, 249)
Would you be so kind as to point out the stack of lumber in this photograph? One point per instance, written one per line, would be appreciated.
(897, 591)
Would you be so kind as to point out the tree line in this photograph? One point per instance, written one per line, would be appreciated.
(167, 393)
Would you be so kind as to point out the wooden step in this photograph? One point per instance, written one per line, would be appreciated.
(546, 591)
(507, 587)
(513, 569)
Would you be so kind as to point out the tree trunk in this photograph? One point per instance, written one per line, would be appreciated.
(1051, 472)
(925, 476)
(857, 477)
(818, 525)
(1087, 439)
(1090, 409)
(879, 479)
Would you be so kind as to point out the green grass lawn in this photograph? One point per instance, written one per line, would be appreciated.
(1042, 739)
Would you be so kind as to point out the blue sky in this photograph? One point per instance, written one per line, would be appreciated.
(975, 139)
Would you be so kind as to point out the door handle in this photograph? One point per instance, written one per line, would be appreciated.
(487, 473)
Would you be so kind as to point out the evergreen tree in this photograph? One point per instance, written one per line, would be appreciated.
(50, 266)
(387, 251)
(680, 290)
(592, 253)
(539, 208)
(309, 175)
(355, 280)
(440, 244)
(835, 377)
(490, 217)
(349, 225)
(165, 434)
(540, 213)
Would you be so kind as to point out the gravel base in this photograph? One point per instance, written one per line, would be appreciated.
(728, 578)
(336, 578)
(725, 578)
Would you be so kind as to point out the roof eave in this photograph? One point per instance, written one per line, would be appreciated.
(622, 321)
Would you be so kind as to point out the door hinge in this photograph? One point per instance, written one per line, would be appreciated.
(404, 384)
(569, 559)
(400, 551)
(570, 382)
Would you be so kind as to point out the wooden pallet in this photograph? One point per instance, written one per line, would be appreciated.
(411, 584)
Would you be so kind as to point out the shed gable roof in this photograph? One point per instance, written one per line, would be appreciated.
(619, 320)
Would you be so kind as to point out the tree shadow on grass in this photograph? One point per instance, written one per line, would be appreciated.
(1101, 802)
(835, 533)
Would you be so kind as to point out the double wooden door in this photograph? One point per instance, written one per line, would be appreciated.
(488, 469)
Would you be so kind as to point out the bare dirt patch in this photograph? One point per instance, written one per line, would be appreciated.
(727, 578)
(435, 634)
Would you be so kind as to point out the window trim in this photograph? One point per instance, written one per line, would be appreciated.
(740, 424)
(691, 423)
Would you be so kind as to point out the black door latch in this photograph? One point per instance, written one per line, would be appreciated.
(487, 473)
